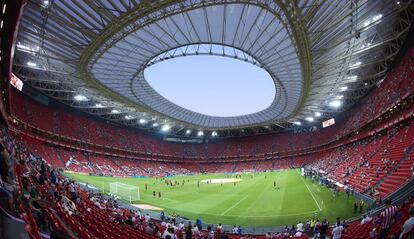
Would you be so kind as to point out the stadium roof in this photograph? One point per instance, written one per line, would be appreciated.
(321, 55)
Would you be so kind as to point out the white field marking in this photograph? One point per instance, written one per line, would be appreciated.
(228, 209)
(317, 204)
(275, 215)
(222, 180)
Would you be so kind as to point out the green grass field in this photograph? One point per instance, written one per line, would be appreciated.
(252, 202)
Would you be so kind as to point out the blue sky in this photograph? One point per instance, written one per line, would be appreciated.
(212, 85)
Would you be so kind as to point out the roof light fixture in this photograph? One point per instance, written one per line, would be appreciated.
(80, 98)
(335, 103)
(31, 64)
(165, 128)
(356, 64)
(310, 119)
(352, 78)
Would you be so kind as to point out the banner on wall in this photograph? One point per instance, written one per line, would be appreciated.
(16, 82)
(328, 122)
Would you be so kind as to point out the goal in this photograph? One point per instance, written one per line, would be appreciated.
(124, 191)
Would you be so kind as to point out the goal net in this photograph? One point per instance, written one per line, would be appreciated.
(124, 191)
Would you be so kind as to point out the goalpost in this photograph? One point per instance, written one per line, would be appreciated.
(124, 191)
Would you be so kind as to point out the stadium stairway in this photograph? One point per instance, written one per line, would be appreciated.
(360, 177)
(59, 156)
(401, 173)
(58, 222)
(383, 162)
(235, 167)
(118, 165)
(200, 168)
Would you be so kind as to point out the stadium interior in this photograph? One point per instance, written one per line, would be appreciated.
(90, 149)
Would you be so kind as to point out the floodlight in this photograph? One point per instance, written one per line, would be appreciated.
(310, 119)
(335, 103)
(80, 98)
(343, 88)
(165, 128)
(352, 78)
(31, 64)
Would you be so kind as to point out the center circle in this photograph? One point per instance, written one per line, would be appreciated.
(212, 85)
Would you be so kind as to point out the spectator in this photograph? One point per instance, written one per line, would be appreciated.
(219, 229)
(149, 229)
(147, 218)
(29, 199)
(5, 166)
(156, 231)
(408, 224)
(387, 218)
(199, 224)
(337, 231)
(299, 227)
(4, 192)
(210, 233)
(168, 232)
(323, 229)
(188, 232)
(366, 219)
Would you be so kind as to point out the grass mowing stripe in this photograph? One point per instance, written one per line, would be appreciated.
(228, 209)
(314, 199)
(258, 199)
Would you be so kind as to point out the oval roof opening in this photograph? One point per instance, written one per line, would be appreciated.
(213, 85)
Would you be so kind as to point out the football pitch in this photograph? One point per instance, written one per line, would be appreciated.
(253, 201)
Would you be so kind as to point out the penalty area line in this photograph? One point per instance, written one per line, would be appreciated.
(228, 209)
(314, 199)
